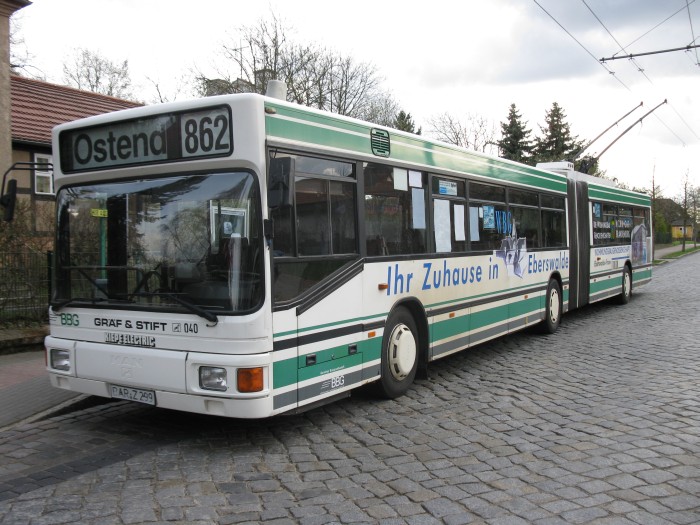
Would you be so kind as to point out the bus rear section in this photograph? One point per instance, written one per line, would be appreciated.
(610, 235)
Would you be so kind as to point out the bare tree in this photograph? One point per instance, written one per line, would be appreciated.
(475, 132)
(685, 201)
(314, 76)
(89, 71)
(694, 209)
(655, 194)
(380, 109)
(20, 58)
(168, 94)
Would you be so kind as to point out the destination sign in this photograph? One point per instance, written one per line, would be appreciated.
(161, 138)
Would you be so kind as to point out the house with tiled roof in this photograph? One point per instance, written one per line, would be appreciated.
(39, 106)
(36, 107)
(29, 109)
(681, 229)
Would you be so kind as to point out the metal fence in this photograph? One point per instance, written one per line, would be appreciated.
(663, 238)
(24, 285)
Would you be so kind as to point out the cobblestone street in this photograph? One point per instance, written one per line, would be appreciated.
(598, 423)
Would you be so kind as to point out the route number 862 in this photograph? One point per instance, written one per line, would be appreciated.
(205, 133)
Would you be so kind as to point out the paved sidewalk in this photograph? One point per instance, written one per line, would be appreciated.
(660, 253)
(25, 390)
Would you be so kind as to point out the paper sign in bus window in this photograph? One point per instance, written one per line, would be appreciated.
(489, 218)
(400, 179)
(460, 234)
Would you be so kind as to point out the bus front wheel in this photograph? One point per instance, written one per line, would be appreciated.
(399, 354)
(553, 308)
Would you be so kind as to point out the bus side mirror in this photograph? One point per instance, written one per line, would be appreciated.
(279, 188)
(8, 200)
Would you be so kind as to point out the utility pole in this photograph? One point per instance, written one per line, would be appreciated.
(686, 183)
(653, 213)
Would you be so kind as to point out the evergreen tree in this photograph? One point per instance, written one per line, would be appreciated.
(404, 122)
(556, 142)
(515, 143)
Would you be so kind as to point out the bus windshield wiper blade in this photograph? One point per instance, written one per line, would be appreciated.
(209, 316)
(92, 300)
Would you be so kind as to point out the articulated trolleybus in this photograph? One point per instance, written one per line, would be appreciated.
(244, 256)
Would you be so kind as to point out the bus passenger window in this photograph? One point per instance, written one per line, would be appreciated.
(553, 221)
(395, 218)
(313, 226)
(316, 234)
(526, 222)
(449, 215)
(489, 220)
(553, 229)
(604, 224)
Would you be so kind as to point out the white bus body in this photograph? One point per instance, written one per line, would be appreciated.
(243, 256)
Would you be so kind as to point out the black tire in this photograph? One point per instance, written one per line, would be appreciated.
(553, 308)
(626, 289)
(400, 353)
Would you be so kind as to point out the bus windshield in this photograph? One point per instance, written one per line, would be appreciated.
(181, 243)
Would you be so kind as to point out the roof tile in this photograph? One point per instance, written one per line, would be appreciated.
(39, 106)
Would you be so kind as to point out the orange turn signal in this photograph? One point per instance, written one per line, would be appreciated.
(250, 379)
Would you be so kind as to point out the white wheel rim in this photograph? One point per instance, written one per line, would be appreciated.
(402, 352)
(554, 306)
(626, 284)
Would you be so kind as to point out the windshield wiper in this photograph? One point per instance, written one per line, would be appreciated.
(92, 300)
(73, 300)
(195, 309)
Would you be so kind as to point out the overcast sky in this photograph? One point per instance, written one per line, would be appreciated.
(461, 57)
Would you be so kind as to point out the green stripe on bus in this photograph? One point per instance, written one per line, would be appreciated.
(327, 367)
(284, 372)
(290, 371)
(329, 325)
(641, 275)
(490, 316)
(526, 306)
(500, 314)
(618, 195)
(354, 137)
(607, 284)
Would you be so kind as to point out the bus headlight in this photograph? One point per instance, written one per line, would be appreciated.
(60, 359)
(213, 378)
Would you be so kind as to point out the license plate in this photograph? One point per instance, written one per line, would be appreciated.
(134, 394)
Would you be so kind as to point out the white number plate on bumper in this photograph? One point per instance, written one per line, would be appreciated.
(134, 394)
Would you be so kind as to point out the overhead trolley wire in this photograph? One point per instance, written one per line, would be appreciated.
(692, 32)
(657, 25)
(582, 46)
(688, 2)
(641, 70)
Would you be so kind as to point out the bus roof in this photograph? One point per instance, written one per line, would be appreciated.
(289, 124)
